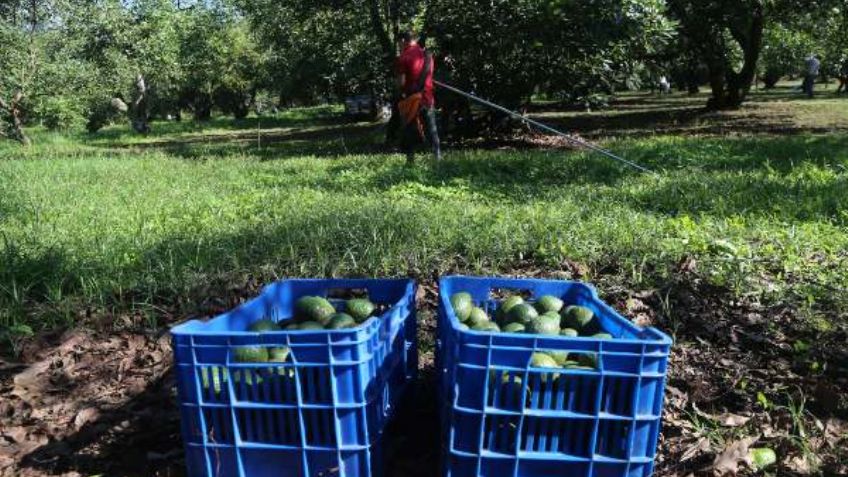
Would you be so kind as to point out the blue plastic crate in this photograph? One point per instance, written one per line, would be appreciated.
(502, 417)
(320, 413)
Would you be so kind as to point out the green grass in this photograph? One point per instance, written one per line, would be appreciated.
(92, 222)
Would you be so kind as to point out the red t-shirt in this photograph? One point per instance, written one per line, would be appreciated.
(410, 63)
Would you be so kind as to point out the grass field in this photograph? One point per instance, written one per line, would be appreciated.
(738, 246)
(122, 222)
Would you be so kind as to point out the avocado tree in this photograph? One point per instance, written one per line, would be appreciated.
(728, 36)
(506, 51)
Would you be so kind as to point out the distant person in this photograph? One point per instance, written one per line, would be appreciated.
(811, 72)
(843, 77)
(414, 68)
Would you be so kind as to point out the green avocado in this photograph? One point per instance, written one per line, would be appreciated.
(503, 311)
(570, 332)
(514, 328)
(579, 318)
(543, 360)
(547, 324)
(214, 377)
(341, 320)
(265, 324)
(279, 354)
(490, 326)
(311, 325)
(359, 308)
(602, 336)
(250, 354)
(477, 317)
(462, 305)
(522, 313)
(314, 308)
(548, 303)
(561, 357)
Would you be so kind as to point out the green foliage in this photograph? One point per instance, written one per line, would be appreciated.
(507, 50)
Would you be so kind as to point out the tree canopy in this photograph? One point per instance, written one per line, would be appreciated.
(90, 63)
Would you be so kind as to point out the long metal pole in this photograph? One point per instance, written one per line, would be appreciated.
(545, 127)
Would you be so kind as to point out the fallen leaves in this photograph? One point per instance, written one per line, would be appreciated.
(727, 462)
(72, 388)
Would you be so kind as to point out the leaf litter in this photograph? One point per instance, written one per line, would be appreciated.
(102, 401)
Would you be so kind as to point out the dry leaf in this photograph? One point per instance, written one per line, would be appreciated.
(732, 420)
(727, 463)
(799, 465)
(702, 446)
(85, 416)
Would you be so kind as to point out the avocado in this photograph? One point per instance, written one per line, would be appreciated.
(341, 320)
(579, 318)
(265, 324)
(477, 317)
(292, 327)
(314, 308)
(213, 376)
(602, 336)
(561, 357)
(514, 328)
(279, 354)
(359, 308)
(588, 360)
(310, 325)
(522, 313)
(509, 388)
(570, 332)
(462, 305)
(250, 354)
(487, 326)
(547, 324)
(542, 360)
(548, 303)
(503, 311)
(463, 327)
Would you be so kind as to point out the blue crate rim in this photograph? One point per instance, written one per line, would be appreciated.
(179, 329)
(663, 339)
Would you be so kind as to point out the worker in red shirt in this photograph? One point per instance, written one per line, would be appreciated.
(414, 69)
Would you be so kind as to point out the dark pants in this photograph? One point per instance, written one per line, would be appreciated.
(411, 138)
(809, 85)
(843, 84)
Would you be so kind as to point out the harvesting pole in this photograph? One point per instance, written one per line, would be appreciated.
(545, 127)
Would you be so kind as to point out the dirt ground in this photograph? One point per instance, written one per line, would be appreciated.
(101, 400)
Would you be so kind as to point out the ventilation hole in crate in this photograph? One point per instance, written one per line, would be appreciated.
(501, 434)
(544, 389)
(320, 427)
(213, 383)
(219, 429)
(557, 435)
(612, 438)
(618, 396)
(269, 426)
(315, 386)
(506, 390)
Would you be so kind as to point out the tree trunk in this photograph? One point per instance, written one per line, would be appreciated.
(13, 113)
(139, 116)
(730, 88)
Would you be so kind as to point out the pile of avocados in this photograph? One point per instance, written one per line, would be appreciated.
(310, 313)
(546, 316)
